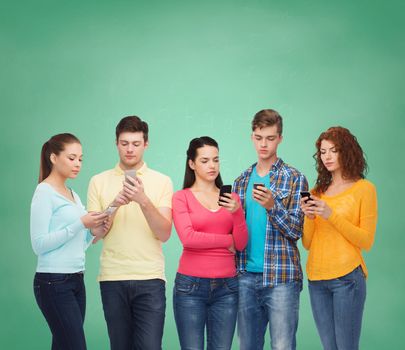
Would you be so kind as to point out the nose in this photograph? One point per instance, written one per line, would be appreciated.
(263, 143)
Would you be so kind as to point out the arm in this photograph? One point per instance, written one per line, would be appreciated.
(188, 236)
(42, 239)
(361, 235)
(308, 232)
(289, 221)
(239, 232)
(159, 219)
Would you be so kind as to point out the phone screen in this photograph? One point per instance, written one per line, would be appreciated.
(257, 184)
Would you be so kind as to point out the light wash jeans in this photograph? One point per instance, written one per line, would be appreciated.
(337, 306)
(258, 306)
(205, 303)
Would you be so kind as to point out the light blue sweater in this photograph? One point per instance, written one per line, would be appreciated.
(58, 236)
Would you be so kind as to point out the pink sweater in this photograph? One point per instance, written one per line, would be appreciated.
(206, 236)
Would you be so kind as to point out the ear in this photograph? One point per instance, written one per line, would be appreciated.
(191, 164)
(146, 144)
(281, 139)
(52, 158)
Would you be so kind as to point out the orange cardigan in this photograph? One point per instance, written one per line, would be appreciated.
(335, 244)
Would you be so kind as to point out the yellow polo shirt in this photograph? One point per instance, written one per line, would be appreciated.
(130, 250)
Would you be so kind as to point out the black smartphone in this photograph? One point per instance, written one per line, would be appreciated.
(257, 184)
(306, 194)
(222, 190)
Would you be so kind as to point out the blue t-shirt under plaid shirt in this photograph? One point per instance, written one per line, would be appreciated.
(284, 223)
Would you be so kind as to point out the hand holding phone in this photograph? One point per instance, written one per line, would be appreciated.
(307, 195)
(110, 210)
(257, 184)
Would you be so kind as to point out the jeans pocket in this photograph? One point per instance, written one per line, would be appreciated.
(184, 284)
(232, 284)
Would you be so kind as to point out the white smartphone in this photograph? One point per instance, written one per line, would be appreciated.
(110, 210)
(131, 173)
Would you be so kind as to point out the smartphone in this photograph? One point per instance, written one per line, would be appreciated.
(110, 210)
(132, 173)
(255, 185)
(222, 190)
(306, 194)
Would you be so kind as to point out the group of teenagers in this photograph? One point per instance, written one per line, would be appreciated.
(240, 264)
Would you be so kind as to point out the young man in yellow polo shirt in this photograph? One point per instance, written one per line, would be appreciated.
(132, 279)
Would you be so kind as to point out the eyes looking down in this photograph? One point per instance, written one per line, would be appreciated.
(329, 155)
(206, 163)
(69, 161)
(131, 147)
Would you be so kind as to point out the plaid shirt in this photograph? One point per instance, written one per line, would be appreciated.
(284, 223)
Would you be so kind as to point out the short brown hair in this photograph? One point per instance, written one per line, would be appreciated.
(132, 123)
(267, 117)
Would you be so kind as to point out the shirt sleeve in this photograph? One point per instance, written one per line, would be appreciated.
(308, 232)
(42, 239)
(289, 220)
(167, 194)
(189, 237)
(93, 201)
(361, 235)
(88, 237)
(240, 231)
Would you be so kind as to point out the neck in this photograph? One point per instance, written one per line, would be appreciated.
(337, 178)
(264, 165)
(56, 180)
(205, 186)
(137, 166)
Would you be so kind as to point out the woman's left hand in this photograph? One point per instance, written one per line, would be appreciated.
(102, 230)
(320, 207)
(228, 202)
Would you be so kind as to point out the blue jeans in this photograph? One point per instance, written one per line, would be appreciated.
(62, 300)
(337, 306)
(135, 313)
(205, 302)
(258, 306)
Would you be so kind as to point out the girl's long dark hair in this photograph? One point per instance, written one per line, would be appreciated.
(55, 144)
(195, 144)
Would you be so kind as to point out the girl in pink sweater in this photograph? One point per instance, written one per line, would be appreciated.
(211, 229)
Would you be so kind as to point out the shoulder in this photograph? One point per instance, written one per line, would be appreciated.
(364, 185)
(43, 192)
(102, 176)
(245, 174)
(181, 194)
(158, 176)
(290, 171)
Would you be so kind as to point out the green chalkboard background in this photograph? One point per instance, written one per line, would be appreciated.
(193, 68)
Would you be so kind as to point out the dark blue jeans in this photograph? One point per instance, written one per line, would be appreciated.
(277, 307)
(135, 313)
(337, 306)
(205, 302)
(62, 300)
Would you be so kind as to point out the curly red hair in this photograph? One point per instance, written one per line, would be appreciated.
(351, 157)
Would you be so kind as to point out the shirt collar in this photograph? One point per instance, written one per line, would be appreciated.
(141, 171)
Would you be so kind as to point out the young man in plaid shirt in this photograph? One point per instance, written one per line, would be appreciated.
(270, 275)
